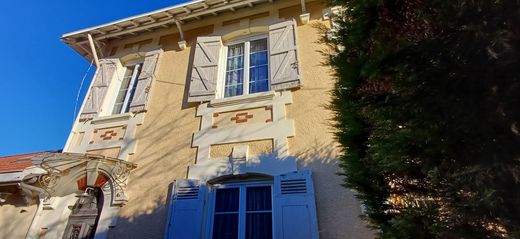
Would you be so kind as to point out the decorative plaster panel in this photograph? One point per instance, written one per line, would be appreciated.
(250, 121)
(242, 117)
(104, 135)
(108, 134)
(255, 148)
(108, 152)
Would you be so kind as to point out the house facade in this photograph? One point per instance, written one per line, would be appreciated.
(203, 120)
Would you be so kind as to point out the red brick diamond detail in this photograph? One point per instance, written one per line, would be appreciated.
(241, 117)
(108, 135)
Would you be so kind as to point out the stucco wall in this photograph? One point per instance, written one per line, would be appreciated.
(164, 139)
(314, 145)
(164, 149)
(15, 217)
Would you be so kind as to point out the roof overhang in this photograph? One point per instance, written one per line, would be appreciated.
(147, 22)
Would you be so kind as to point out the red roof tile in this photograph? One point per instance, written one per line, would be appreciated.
(16, 163)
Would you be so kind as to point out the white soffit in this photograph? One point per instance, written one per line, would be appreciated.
(162, 18)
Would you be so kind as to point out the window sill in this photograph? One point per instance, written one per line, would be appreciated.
(235, 100)
(112, 118)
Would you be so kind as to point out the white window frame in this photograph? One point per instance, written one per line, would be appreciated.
(221, 84)
(241, 206)
(131, 84)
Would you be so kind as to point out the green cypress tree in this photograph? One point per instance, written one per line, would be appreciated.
(427, 109)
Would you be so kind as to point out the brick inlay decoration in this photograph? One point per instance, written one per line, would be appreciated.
(100, 181)
(215, 114)
(82, 183)
(268, 120)
(241, 117)
(269, 107)
(214, 126)
(108, 135)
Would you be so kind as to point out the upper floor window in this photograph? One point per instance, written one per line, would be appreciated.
(243, 211)
(246, 68)
(127, 90)
(266, 62)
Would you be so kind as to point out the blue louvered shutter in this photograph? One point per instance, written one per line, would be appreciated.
(294, 206)
(186, 210)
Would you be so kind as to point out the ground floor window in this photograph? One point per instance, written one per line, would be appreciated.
(243, 211)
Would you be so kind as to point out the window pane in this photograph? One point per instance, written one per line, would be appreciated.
(259, 225)
(258, 69)
(236, 50)
(132, 89)
(235, 63)
(225, 226)
(258, 198)
(121, 95)
(259, 58)
(234, 83)
(227, 200)
(259, 45)
(234, 71)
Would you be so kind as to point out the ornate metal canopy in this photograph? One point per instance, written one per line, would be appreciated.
(65, 173)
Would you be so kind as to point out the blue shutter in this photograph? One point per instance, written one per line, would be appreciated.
(186, 210)
(294, 206)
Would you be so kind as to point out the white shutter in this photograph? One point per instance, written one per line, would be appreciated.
(144, 82)
(102, 79)
(204, 71)
(294, 206)
(186, 210)
(283, 60)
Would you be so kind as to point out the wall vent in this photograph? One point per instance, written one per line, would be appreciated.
(293, 186)
(184, 193)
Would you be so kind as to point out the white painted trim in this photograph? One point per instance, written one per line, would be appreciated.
(278, 130)
(246, 67)
(241, 99)
(111, 118)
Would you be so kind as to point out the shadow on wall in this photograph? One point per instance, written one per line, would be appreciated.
(15, 217)
(338, 210)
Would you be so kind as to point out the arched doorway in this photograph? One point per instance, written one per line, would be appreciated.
(85, 214)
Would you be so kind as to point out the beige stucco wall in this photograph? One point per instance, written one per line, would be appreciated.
(164, 139)
(163, 152)
(314, 144)
(15, 217)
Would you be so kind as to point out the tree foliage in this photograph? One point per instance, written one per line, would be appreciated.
(427, 107)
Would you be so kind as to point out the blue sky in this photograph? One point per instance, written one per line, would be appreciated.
(40, 74)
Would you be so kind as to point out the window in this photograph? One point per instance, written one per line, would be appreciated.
(246, 68)
(245, 207)
(243, 211)
(127, 89)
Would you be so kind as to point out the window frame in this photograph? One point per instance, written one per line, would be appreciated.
(132, 85)
(221, 81)
(242, 212)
